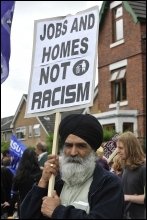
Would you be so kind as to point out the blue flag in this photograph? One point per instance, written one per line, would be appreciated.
(16, 150)
(7, 9)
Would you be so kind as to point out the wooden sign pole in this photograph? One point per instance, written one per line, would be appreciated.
(54, 151)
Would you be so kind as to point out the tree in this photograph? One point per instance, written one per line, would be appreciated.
(5, 146)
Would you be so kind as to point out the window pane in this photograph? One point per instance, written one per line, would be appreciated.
(119, 29)
(21, 132)
(127, 126)
(30, 131)
(118, 12)
(117, 92)
(36, 129)
(124, 92)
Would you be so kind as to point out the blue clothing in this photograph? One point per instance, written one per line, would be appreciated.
(106, 200)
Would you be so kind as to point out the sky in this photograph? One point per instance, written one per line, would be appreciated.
(22, 29)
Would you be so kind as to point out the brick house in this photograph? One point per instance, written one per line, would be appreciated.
(121, 100)
(30, 130)
(6, 131)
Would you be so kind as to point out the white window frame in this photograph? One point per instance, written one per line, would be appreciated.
(36, 130)
(21, 130)
(30, 132)
(119, 30)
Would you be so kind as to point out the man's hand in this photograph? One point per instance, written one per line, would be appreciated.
(49, 204)
(51, 166)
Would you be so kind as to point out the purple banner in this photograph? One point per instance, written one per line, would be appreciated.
(110, 146)
(7, 9)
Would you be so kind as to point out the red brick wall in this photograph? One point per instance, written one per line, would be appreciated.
(133, 49)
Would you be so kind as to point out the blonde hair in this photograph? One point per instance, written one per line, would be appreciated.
(117, 163)
(133, 150)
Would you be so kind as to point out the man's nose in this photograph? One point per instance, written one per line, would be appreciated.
(74, 151)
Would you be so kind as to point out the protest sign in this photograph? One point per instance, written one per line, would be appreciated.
(63, 63)
(16, 150)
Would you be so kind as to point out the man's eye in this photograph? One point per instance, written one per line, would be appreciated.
(82, 145)
(68, 145)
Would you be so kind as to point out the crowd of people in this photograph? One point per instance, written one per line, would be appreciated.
(86, 187)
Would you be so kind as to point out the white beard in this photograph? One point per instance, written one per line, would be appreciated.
(76, 170)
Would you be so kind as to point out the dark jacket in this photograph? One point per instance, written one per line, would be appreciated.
(43, 159)
(106, 200)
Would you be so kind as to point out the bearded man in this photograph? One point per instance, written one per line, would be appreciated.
(83, 189)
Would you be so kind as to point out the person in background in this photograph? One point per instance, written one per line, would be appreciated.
(41, 151)
(134, 174)
(28, 173)
(102, 160)
(117, 166)
(5, 156)
(84, 190)
(6, 185)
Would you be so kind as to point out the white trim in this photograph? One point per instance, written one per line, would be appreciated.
(118, 117)
(117, 43)
(36, 126)
(121, 74)
(115, 4)
(42, 125)
(118, 64)
(114, 105)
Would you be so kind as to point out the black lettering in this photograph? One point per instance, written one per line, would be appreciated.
(74, 47)
(64, 27)
(64, 65)
(42, 37)
(74, 26)
(62, 95)
(46, 54)
(37, 96)
(83, 93)
(65, 49)
(54, 73)
(83, 23)
(91, 21)
(46, 98)
(55, 102)
(55, 52)
(58, 30)
(84, 45)
(70, 94)
(44, 77)
(50, 31)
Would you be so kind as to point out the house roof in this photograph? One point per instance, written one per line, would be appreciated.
(5, 123)
(46, 121)
(136, 8)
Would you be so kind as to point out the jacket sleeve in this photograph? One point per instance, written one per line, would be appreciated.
(105, 203)
(30, 208)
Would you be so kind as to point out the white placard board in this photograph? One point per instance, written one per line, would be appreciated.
(63, 63)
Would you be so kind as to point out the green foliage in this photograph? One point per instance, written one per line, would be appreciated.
(5, 145)
(49, 142)
(108, 134)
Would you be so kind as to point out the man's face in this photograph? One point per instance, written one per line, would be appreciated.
(76, 146)
(121, 150)
(77, 161)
